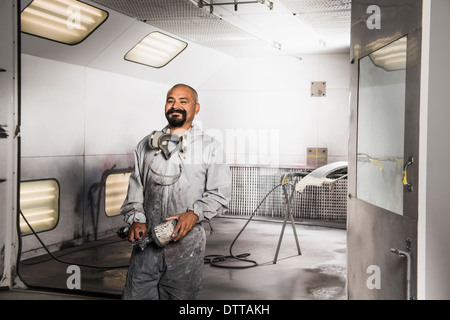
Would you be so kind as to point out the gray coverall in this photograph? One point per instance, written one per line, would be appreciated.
(195, 178)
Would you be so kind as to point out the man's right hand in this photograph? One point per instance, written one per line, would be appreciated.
(137, 231)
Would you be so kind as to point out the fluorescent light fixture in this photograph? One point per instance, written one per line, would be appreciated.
(116, 187)
(66, 21)
(39, 203)
(156, 50)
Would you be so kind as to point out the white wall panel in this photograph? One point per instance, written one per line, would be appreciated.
(52, 108)
(259, 73)
(274, 94)
(287, 113)
(120, 111)
(336, 69)
(434, 218)
(333, 124)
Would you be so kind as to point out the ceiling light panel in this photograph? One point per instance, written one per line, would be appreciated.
(156, 50)
(65, 21)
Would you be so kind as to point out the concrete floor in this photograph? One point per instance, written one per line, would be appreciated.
(319, 273)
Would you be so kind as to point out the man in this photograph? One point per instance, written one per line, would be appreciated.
(184, 177)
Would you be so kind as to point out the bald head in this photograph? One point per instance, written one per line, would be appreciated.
(192, 90)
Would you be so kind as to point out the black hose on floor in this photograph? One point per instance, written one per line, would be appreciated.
(217, 260)
(62, 261)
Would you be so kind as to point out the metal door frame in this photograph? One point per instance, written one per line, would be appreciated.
(9, 140)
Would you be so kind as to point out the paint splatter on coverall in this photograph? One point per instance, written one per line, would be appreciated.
(157, 191)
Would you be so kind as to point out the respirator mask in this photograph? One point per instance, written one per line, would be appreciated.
(166, 144)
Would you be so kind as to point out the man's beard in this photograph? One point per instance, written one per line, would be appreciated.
(176, 121)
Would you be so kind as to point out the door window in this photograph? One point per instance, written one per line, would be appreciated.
(381, 114)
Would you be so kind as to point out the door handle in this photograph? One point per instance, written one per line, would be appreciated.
(405, 172)
(403, 254)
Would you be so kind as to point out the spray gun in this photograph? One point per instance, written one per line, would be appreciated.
(161, 234)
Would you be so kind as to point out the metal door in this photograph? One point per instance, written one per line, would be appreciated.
(383, 149)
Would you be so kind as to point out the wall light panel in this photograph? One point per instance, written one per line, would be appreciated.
(116, 187)
(39, 203)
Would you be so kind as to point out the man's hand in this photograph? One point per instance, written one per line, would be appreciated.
(137, 231)
(186, 221)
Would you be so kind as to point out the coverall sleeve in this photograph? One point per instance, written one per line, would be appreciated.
(217, 192)
(133, 205)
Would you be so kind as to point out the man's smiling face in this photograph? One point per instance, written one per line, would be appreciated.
(181, 107)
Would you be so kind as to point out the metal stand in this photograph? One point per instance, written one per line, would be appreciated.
(288, 213)
(317, 177)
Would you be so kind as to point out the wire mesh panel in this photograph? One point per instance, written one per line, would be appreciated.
(251, 184)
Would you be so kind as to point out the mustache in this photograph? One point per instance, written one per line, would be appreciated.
(172, 110)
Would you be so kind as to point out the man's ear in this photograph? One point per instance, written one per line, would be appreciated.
(197, 108)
